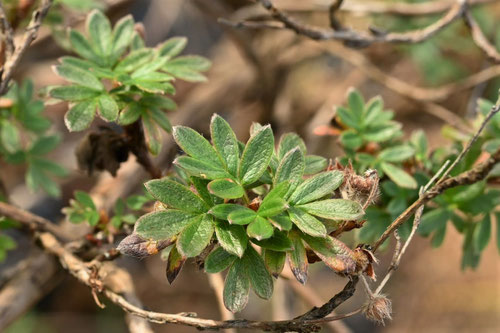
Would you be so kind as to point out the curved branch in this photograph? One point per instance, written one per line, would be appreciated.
(480, 39)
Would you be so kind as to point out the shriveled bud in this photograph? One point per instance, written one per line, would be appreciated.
(378, 308)
(136, 246)
(356, 187)
(364, 259)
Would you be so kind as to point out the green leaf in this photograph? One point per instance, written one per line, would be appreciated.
(438, 237)
(130, 115)
(482, 233)
(151, 134)
(334, 209)
(259, 228)
(172, 47)
(397, 153)
(333, 253)
(256, 156)
(223, 211)
(9, 136)
(278, 242)
(398, 175)
(242, 216)
(307, 223)
(225, 143)
(282, 222)
(317, 187)
(196, 146)
(260, 279)
(218, 260)
(195, 237)
(236, 287)
(79, 76)
(201, 187)
(271, 207)
(108, 109)
(382, 133)
(433, 220)
(175, 195)
(291, 167)
(297, 258)
(80, 116)
(134, 60)
(99, 30)
(163, 224)
(73, 93)
(122, 36)
(161, 119)
(200, 168)
(315, 164)
(226, 188)
(82, 47)
(187, 67)
(274, 261)
(351, 140)
(232, 238)
(356, 103)
(349, 118)
(288, 142)
(49, 166)
(85, 199)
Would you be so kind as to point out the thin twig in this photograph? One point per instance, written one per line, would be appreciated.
(476, 174)
(8, 33)
(29, 36)
(480, 39)
(361, 39)
(494, 110)
(332, 11)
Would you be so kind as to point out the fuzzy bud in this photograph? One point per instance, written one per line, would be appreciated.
(136, 246)
(378, 308)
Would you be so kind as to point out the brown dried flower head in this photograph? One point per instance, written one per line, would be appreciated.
(378, 308)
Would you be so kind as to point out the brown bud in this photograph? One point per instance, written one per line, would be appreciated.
(136, 246)
(364, 260)
(378, 308)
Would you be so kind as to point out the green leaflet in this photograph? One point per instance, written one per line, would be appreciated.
(79, 76)
(195, 237)
(275, 262)
(397, 153)
(334, 209)
(317, 187)
(225, 143)
(242, 216)
(288, 142)
(80, 115)
(172, 47)
(278, 242)
(398, 175)
(196, 145)
(291, 167)
(99, 30)
(260, 228)
(163, 224)
(256, 156)
(73, 93)
(223, 211)
(307, 223)
(297, 257)
(200, 168)
(218, 260)
(236, 287)
(260, 279)
(122, 36)
(108, 109)
(226, 188)
(232, 238)
(281, 221)
(175, 195)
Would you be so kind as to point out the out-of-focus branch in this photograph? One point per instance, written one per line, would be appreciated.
(476, 174)
(29, 36)
(377, 7)
(7, 32)
(362, 39)
(480, 39)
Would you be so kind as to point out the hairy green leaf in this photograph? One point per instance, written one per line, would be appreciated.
(236, 287)
(307, 223)
(163, 224)
(226, 188)
(297, 258)
(225, 143)
(259, 228)
(232, 238)
(218, 260)
(260, 279)
(317, 187)
(80, 115)
(256, 156)
(175, 195)
(196, 236)
(334, 209)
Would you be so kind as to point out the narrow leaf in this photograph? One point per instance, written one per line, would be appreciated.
(108, 109)
(196, 146)
(175, 195)
(334, 209)
(225, 143)
(399, 176)
(80, 116)
(163, 224)
(275, 262)
(260, 228)
(260, 279)
(278, 242)
(236, 287)
(291, 167)
(232, 238)
(195, 237)
(317, 187)
(218, 260)
(226, 188)
(307, 223)
(256, 156)
(174, 264)
(200, 168)
(297, 258)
